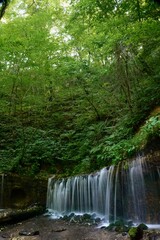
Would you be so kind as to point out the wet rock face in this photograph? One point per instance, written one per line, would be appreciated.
(20, 192)
(19, 198)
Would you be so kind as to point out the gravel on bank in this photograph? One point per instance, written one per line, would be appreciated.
(45, 228)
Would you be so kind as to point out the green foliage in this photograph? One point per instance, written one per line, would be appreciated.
(127, 148)
(78, 84)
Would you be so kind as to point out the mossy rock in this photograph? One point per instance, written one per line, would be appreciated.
(14, 216)
(143, 226)
(111, 227)
(87, 217)
(118, 226)
(135, 233)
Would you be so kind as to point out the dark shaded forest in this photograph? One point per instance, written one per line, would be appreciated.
(79, 84)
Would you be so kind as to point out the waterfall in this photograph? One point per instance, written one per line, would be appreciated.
(122, 192)
(82, 194)
(138, 189)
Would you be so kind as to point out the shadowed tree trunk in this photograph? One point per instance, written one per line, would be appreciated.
(4, 6)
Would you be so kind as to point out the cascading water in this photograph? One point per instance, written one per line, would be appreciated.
(122, 192)
(82, 194)
(138, 189)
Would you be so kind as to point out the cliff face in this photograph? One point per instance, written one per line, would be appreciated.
(20, 192)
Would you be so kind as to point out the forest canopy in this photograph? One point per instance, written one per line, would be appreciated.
(79, 82)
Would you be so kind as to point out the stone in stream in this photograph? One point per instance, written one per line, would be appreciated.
(59, 230)
(28, 233)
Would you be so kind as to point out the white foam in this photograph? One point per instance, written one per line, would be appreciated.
(153, 226)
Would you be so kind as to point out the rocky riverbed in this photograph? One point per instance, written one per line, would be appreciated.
(45, 228)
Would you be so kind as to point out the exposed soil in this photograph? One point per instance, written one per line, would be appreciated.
(49, 229)
(44, 228)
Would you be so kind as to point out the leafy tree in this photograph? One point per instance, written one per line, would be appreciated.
(77, 82)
